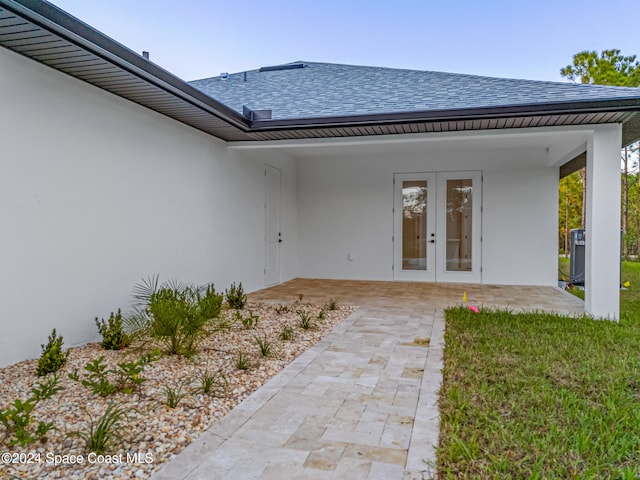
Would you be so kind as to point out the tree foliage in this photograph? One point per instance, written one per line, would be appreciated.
(607, 68)
(570, 208)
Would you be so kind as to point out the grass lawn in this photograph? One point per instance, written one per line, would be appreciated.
(542, 396)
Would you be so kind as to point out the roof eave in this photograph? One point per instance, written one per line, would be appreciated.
(217, 119)
(561, 108)
(50, 17)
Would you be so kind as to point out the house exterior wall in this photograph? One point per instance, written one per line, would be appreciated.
(97, 192)
(346, 220)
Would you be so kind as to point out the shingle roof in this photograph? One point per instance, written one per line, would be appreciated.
(328, 90)
(319, 101)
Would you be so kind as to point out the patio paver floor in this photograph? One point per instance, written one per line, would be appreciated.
(362, 402)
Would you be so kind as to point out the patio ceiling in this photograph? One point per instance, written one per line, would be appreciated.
(46, 34)
(560, 145)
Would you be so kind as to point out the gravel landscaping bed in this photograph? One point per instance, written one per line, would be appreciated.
(153, 432)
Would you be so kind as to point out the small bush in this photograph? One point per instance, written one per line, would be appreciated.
(208, 380)
(47, 389)
(247, 322)
(305, 320)
(113, 336)
(236, 297)
(17, 420)
(242, 361)
(265, 346)
(286, 333)
(53, 358)
(173, 396)
(331, 305)
(98, 378)
(128, 373)
(104, 381)
(210, 304)
(172, 314)
(103, 433)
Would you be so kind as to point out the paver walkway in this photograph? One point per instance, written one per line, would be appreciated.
(361, 403)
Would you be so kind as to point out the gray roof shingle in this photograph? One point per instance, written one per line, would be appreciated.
(330, 90)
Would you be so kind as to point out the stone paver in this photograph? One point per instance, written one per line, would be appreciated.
(360, 404)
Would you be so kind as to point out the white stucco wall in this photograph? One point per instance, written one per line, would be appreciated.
(520, 227)
(97, 192)
(345, 208)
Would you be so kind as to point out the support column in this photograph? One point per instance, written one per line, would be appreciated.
(602, 261)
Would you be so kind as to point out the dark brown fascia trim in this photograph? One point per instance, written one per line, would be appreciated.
(562, 108)
(51, 18)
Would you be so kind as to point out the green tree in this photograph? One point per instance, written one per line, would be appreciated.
(569, 208)
(608, 68)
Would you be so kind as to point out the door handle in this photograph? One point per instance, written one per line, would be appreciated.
(279, 240)
(432, 241)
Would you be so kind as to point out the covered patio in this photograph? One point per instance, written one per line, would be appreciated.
(423, 296)
(374, 174)
(363, 402)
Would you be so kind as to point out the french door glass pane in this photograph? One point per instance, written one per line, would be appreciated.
(414, 225)
(458, 225)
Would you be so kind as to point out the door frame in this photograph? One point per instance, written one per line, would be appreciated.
(436, 266)
(272, 239)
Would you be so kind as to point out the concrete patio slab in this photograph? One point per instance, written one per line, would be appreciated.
(362, 402)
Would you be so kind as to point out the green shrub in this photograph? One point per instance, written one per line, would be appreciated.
(173, 314)
(177, 321)
(173, 396)
(210, 303)
(265, 346)
(47, 389)
(243, 362)
(53, 358)
(305, 321)
(17, 419)
(128, 373)
(331, 305)
(236, 297)
(286, 333)
(98, 378)
(113, 336)
(208, 380)
(247, 322)
(103, 434)
(104, 381)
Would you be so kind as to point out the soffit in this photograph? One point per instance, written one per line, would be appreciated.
(44, 33)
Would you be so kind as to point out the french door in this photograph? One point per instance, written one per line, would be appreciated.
(437, 226)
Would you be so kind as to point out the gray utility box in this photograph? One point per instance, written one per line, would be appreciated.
(576, 261)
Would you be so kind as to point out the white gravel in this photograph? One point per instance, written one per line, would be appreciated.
(154, 432)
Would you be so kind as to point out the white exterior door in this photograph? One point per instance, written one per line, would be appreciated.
(414, 226)
(273, 237)
(437, 226)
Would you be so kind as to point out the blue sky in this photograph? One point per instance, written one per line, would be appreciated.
(514, 39)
